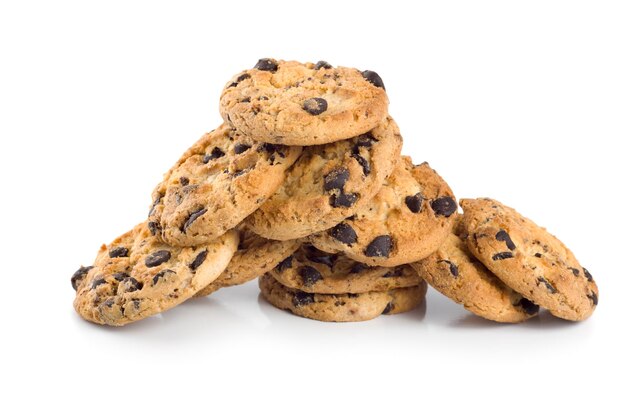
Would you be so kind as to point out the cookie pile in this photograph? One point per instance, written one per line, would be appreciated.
(304, 185)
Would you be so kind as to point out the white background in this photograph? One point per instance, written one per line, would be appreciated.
(521, 101)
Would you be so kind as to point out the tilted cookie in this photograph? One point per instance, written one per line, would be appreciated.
(254, 257)
(218, 182)
(457, 274)
(406, 221)
(329, 183)
(137, 276)
(341, 308)
(287, 102)
(529, 259)
(314, 271)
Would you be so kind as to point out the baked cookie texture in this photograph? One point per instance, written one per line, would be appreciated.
(528, 259)
(314, 271)
(407, 220)
(287, 102)
(137, 275)
(329, 183)
(254, 256)
(215, 184)
(341, 308)
(456, 273)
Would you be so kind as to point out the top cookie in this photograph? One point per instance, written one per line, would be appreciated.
(405, 222)
(215, 184)
(329, 183)
(287, 102)
(528, 259)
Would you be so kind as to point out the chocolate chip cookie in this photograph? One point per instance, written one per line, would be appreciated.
(329, 183)
(457, 274)
(528, 259)
(254, 257)
(137, 276)
(218, 182)
(341, 308)
(287, 102)
(314, 271)
(406, 221)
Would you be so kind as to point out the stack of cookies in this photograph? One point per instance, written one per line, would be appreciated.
(305, 187)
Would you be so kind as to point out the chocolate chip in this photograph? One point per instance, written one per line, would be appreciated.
(118, 252)
(315, 106)
(319, 256)
(374, 78)
(359, 267)
(454, 270)
(79, 275)
(197, 262)
(245, 100)
(395, 272)
(322, 64)
(192, 217)
(240, 148)
(154, 204)
(588, 275)
(593, 297)
(239, 79)
(545, 282)
(184, 181)
(120, 276)
(158, 257)
(363, 162)
(379, 247)
(238, 173)
(445, 206)
(364, 140)
(343, 200)
(414, 202)
(154, 227)
(502, 256)
(538, 255)
(160, 275)
(388, 308)
(216, 153)
(302, 299)
(309, 275)
(97, 283)
(336, 179)
(342, 232)
(285, 264)
(529, 307)
(504, 236)
(575, 271)
(132, 284)
(266, 64)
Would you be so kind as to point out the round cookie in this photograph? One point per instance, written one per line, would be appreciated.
(287, 102)
(254, 257)
(341, 308)
(528, 259)
(137, 276)
(217, 182)
(329, 183)
(456, 273)
(314, 271)
(406, 221)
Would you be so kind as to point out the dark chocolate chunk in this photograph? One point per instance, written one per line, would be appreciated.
(79, 275)
(502, 256)
(184, 181)
(322, 64)
(454, 269)
(285, 264)
(388, 308)
(197, 262)
(504, 236)
(315, 106)
(319, 256)
(266, 64)
(132, 284)
(118, 252)
(309, 275)
(414, 202)
(343, 200)
(374, 78)
(342, 232)
(359, 267)
(216, 153)
(395, 272)
(575, 271)
(529, 307)
(239, 79)
(302, 299)
(364, 140)
(154, 227)
(158, 257)
(245, 100)
(593, 297)
(546, 283)
(97, 283)
(120, 276)
(379, 247)
(192, 217)
(336, 179)
(160, 275)
(363, 162)
(588, 275)
(538, 255)
(154, 204)
(445, 206)
(240, 148)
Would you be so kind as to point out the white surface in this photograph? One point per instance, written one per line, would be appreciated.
(522, 102)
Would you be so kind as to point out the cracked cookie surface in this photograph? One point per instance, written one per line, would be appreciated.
(137, 275)
(217, 182)
(528, 259)
(287, 102)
